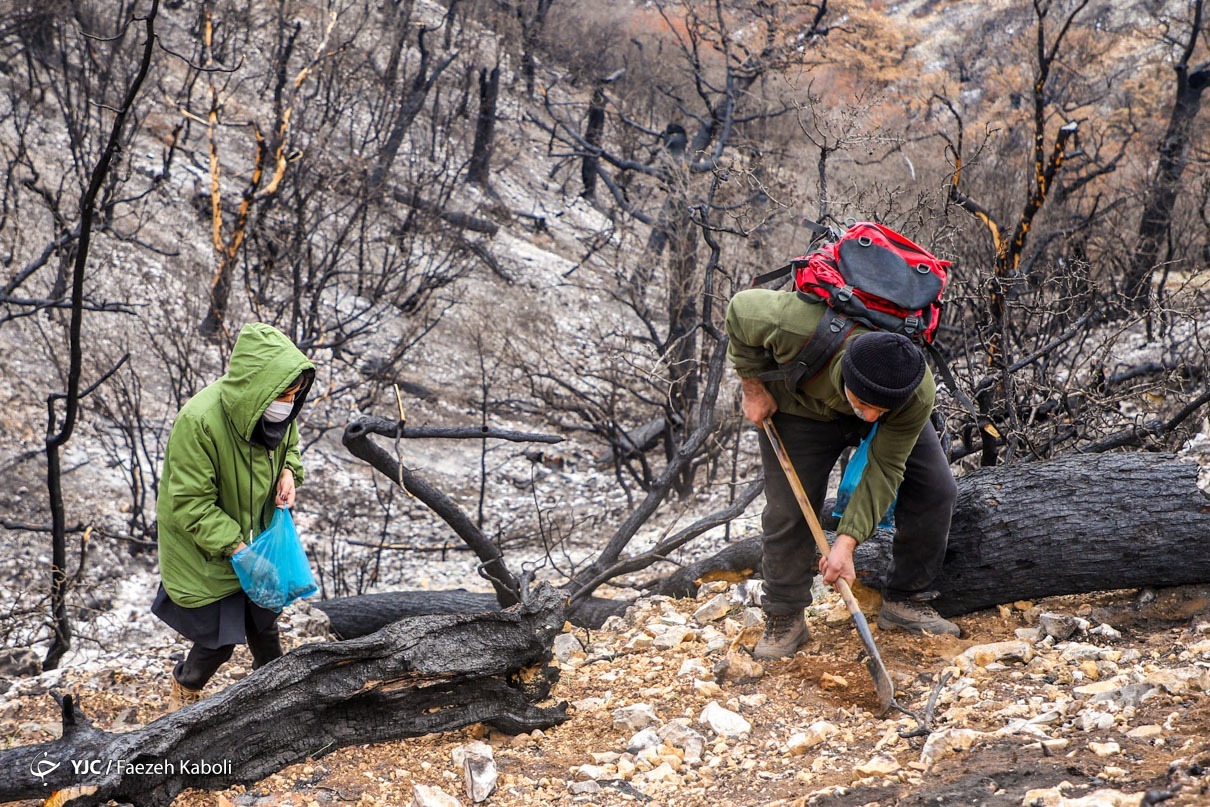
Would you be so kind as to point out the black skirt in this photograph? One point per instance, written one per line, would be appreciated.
(215, 625)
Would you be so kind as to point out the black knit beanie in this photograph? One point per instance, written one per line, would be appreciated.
(882, 369)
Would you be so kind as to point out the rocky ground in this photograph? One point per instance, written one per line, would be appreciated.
(1090, 700)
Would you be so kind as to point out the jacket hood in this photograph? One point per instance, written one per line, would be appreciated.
(263, 364)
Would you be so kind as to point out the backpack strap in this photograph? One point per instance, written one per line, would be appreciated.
(781, 272)
(829, 335)
(947, 375)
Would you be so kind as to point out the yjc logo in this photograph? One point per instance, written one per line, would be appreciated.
(43, 768)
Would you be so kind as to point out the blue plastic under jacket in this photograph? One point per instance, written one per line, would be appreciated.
(852, 475)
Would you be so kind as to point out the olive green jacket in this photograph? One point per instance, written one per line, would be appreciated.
(218, 486)
(768, 328)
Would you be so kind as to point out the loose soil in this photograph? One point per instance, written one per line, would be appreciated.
(825, 681)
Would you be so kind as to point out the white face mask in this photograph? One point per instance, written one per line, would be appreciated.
(279, 411)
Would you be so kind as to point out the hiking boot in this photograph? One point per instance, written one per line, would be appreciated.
(784, 634)
(182, 695)
(915, 617)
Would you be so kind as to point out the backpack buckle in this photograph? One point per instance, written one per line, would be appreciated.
(911, 325)
(837, 325)
(844, 293)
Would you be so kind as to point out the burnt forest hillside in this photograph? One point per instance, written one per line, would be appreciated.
(506, 232)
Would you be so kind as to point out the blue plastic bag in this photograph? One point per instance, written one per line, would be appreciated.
(274, 570)
(852, 475)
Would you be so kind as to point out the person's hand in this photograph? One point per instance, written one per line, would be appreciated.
(839, 562)
(240, 547)
(758, 402)
(285, 488)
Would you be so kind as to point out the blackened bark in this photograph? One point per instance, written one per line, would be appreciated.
(415, 677)
(593, 131)
(1174, 158)
(1071, 525)
(485, 126)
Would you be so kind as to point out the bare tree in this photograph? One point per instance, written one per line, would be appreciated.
(671, 176)
(59, 429)
(1185, 35)
(272, 150)
(1058, 167)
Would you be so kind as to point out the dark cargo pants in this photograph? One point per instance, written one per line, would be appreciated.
(922, 514)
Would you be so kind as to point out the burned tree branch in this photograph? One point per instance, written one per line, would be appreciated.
(357, 440)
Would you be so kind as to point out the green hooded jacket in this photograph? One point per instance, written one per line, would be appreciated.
(219, 480)
(768, 328)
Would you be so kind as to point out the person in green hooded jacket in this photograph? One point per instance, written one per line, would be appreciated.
(232, 457)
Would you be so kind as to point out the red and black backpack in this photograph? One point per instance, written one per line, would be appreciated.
(872, 275)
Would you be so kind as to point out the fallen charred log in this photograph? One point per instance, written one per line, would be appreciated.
(414, 677)
(1072, 525)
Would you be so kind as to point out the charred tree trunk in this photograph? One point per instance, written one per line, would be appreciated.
(415, 677)
(592, 137)
(59, 432)
(485, 126)
(1072, 525)
(351, 617)
(1174, 158)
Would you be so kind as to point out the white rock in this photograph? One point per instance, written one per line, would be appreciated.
(878, 765)
(714, 608)
(1148, 732)
(1107, 631)
(753, 617)
(664, 773)
(1091, 720)
(1031, 635)
(478, 770)
(1061, 626)
(1097, 688)
(635, 717)
(565, 645)
(679, 734)
(672, 636)
(816, 733)
(693, 668)
(589, 788)
(945, 742)
(583, 773)
(1181, 680)
(425, 796)
(1053, 797)
(985, 654)
(1130, 695)
(1108, 749)
(738, 667)
(647, 738)
(1076, 651)
(724, 722)
(748, 593)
